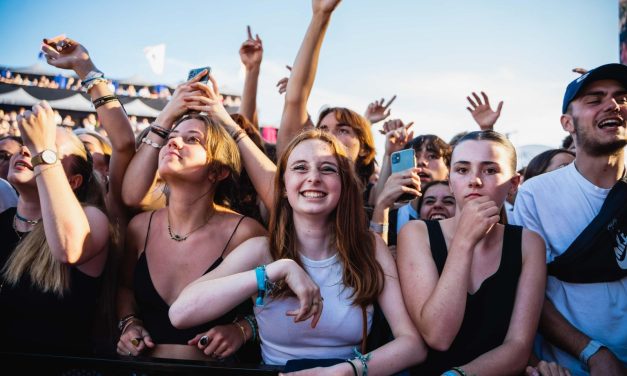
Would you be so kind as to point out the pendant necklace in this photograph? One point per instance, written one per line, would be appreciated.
(180, 238)
(29, 221)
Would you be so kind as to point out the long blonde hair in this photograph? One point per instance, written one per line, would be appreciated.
(32, 256)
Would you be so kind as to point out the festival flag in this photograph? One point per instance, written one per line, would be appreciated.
(156, 57)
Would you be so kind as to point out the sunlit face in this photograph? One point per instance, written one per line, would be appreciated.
(93, 145)
(431, 167)
(312, 181)
(20, 168)
(559, 160)
(481, 168)
(344, 133)
(184, 153)
(8, 148)
(437, 203)
(599, 117)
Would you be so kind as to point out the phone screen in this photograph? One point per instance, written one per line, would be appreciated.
(403, 160)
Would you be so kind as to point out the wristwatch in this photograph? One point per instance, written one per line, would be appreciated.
(591, 348)
(45, 157)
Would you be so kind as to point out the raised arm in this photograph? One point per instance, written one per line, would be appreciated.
(397, 134)
(482, 112)
(437, 304)
(251, 53)
(378, 111)
(74, 235)
(510, 358)
(141, 172)
(304, 73)
(259, 167)
(69, 54)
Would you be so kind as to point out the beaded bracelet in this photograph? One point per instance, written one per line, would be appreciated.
(150, 142)
(104, 100)
(253, 325)
(87, 86)
(460, 371)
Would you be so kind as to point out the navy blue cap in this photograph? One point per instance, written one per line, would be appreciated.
(616, 72)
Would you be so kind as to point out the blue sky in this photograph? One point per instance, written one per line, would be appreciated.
(430, 53)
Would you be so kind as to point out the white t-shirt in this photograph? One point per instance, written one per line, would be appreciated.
(338, 331)
(559, 205)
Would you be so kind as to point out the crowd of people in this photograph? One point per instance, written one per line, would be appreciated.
(194, 239)
(71, 83)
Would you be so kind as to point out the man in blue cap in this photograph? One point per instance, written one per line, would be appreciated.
(581, 212)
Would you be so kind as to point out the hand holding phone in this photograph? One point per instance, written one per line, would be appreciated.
(403, 160)
(195, 72)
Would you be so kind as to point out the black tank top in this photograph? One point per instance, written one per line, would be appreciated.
(154, 310)
(488, 310)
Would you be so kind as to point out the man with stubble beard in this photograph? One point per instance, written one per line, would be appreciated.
(580, 211)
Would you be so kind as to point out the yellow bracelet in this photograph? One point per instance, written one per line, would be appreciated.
(42, 169)
(236, 323)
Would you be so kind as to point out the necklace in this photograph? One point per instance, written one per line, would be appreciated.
(29, 221)
(180, 238)
(19, 233)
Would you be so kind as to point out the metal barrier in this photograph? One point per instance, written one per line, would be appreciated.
(45, 364)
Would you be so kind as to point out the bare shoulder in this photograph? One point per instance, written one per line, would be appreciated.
(139, 223)
(413, 234)
(254, 251)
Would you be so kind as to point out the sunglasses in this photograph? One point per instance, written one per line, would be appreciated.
(5, 155)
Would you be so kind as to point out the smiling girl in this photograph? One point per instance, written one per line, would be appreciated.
(474, 287)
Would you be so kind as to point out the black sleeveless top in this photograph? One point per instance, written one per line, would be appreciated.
(32, 320)
(154, 310)
(488, 310)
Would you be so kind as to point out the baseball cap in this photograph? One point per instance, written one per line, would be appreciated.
(613, 71)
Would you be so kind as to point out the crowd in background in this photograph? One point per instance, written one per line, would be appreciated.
(190, 237)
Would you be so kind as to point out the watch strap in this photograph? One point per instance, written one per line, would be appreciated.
(38, 159)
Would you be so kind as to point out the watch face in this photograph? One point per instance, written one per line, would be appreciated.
(49, 156)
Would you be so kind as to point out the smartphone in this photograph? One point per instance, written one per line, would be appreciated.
(403, 160)
(194, 72)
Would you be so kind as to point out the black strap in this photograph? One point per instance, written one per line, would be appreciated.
(598, 253)
(232, 234)
(148, 231)
(437, 243)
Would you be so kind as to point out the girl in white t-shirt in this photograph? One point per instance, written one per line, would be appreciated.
(325, 266)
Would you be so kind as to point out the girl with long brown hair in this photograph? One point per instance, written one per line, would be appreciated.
(320, 263)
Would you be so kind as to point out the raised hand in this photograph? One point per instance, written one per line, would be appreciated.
(282, 84)
(324, 6)
(377, 111)
(482, 112)
(209, 100)
(38, 128)
(397, 134)
(181, 101)
(65, 53)
(397, 184)
(251, 51)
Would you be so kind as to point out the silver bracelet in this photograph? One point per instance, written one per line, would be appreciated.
(379, 228)
(150, 142)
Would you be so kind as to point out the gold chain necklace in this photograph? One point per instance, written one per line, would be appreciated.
(180, 238)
